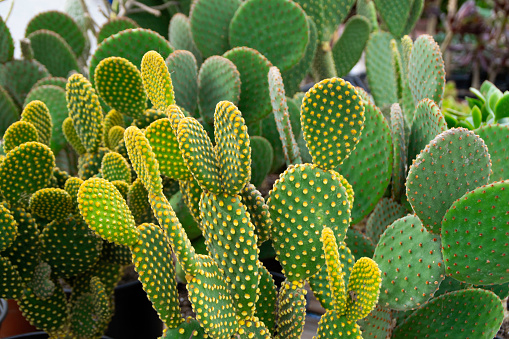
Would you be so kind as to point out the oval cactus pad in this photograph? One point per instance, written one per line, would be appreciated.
(332, 118)
(302, 202)
(474, 236)
(455, 162)
(157, 80)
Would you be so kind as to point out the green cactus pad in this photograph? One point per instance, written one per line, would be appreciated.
(51, 50)
(115, 167)
(157, 80)
(363, 289)
(266, 304)
(426, 70)
(282, 36)
(327, 14)
(359, 244)
(152, 257)
(11, 286)
(6, 43)
(475, 312)
(51, 203)
(368, 169)
(42, 284)
(18, 133)
(218, 79)
(472, 229)
(24, 251)
(210, 21)
(38, 115)
(112, 118)
(380, 69)
(69, 247)
(189, 328)
(130, 44)
(98, 199)
(385, 213)
(282, 117)
(143, 160)
(453, 163)
(232, 147)
(89, 164)
(114, 26)
(254, 90)
(48, 314)
(428, 122)
(191, 193)
(496, 138)
(63, 25)
(137, 200)
(199, 154)
(333, 325)
(8, 228)
(181, 37)
(377, 324)
(184, 75)
(215, 312)
(18, 77)
(258, 212)
(291, 309)
(399, 152)
(53, 81)
(72, 185)
(10, 113)
(348, 49)
(119, 84)
(411, 261)
(335, 275)
(394, 13)
(25, 169)
(85, 111)
(332, 118)
(55, 100)
(262, 155)
(302, 201)
(116, 136)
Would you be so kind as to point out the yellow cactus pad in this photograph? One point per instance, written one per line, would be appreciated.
(157, 80)
(334, 271)
(363, 289)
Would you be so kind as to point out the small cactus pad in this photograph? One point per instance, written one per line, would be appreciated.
(302, 202)
(114, 26)
(72, 136)
(335, 275)
(218, 79)
(85, 111)
(161, 137)
(115, 167)
(199, 154)
(411, 261)
(51, 50)
(227, 228)
(291, 310)
(115, 137)
(215, 312)
(62, 24)
(184, 76)
(181, 37)
(426, 70)
(191, 193)
(210, 21)
(49, 314)
(38, 115)
(69, 247)
(399, 137)
(496, 138)
(284, 25)
(18, 133)
(157, 80)
(42, 284)
(119, 84)
(453, 163)
(233, 147)
(254, 91)
(385, 213)
(474, 312)
(106, 212)
(332, 118)
(392, 13)
(474, 236)
(51, 203)
(6, 43)
(267, 298)
(282, 117)
(332, 325)
(111, 119)
(363, 289)
(25, 169)
(10, 112)
(252, 327)
(152, 257)
(72, 186)
(428, 122)
(258, 212)
(143, 159)
(348, 49)
(8, 228)
(377, 324)
(380, 69)
(89, 164)
(130, 44)
(11, 285)
(368, 169)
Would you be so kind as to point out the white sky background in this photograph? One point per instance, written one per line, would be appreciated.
(24, 10)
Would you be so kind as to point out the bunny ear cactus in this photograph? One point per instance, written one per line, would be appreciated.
(157, 81)
(18, 133)
(37, 113)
